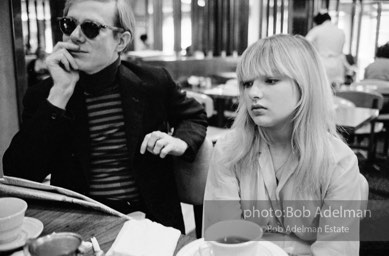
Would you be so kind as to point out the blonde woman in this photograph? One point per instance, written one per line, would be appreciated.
(283, 163)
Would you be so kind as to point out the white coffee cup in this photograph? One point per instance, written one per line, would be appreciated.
(233, 238)
(12, 212)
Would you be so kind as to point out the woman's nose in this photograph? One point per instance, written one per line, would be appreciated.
(256, 90)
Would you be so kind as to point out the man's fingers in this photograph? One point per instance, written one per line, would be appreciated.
(159, 144)
(144, 144)
(71, 60)
(166, 150)
(65, 63)
(149, 142)
(66, 45)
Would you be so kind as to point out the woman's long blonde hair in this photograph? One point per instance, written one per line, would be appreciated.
(313, 120)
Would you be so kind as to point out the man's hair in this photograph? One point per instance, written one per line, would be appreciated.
(321, 17)
(313, 117)
(383, 51)
(124, 17)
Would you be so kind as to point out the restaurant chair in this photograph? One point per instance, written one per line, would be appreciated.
(213, 133)
(383, 117)
(363, 99)
(191, 179)
(343, 103)
(372, 82)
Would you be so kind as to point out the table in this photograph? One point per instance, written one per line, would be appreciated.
(349, 118)
(353, 118)
(380, 88)
(66, 217)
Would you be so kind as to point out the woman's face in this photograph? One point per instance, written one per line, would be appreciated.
(270, 100)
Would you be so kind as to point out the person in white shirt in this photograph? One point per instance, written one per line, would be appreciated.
(379, 69)
(283, 153)
(329, 40)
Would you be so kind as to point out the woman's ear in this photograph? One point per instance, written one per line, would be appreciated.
(124, 39)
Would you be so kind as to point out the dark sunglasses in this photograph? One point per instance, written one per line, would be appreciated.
(89, 28)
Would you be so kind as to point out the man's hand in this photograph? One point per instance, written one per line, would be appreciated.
(162, 144)
(64, 71)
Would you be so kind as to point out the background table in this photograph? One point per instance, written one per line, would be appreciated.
(354, 118)
(66, 217)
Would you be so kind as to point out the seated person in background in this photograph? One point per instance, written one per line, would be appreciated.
(145, 43)
(101, 126)
(37, 68)
(329, 40)
(283, 150)
(379, 69)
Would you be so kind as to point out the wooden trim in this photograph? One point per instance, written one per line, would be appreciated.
(243, 25)
(260, 17)
(157, 24)
(56, 10)
(218, 27)
(8, 85)
(275, 7)
(225, 26)
(44, 22)
(352, 17)
(205, 27)
(231, 28)
(282, 16)
(147, 17)
(211, 27)
(38, 29)
(177, 17)
(267, 17)
(18, 54)
(377, 33)
(359, 28)
(235, 24)
(28, 25)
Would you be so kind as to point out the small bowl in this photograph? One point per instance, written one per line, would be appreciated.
(55, 244)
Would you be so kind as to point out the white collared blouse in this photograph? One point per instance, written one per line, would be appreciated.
(255, 195)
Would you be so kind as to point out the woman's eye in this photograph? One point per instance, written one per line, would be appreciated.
(271, 81)
(248, 84)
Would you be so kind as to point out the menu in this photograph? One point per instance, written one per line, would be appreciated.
(18, 187)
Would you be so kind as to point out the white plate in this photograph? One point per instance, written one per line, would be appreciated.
(31, 228)
(265, 248)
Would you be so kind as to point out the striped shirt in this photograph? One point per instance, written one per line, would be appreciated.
(110, 177)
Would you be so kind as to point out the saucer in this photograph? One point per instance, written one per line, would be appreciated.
(31, 228)
(265, 248)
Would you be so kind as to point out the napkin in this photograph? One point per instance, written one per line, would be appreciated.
(144, 238)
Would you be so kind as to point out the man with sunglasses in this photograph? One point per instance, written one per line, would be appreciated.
(101, 126)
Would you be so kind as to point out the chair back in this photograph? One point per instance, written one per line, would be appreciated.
(362, 99)
(191, 177)
(343, 103)
(204, 100)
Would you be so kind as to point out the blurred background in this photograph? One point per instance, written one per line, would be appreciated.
(201, 38)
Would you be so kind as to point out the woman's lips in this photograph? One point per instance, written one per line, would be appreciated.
(258, 109)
